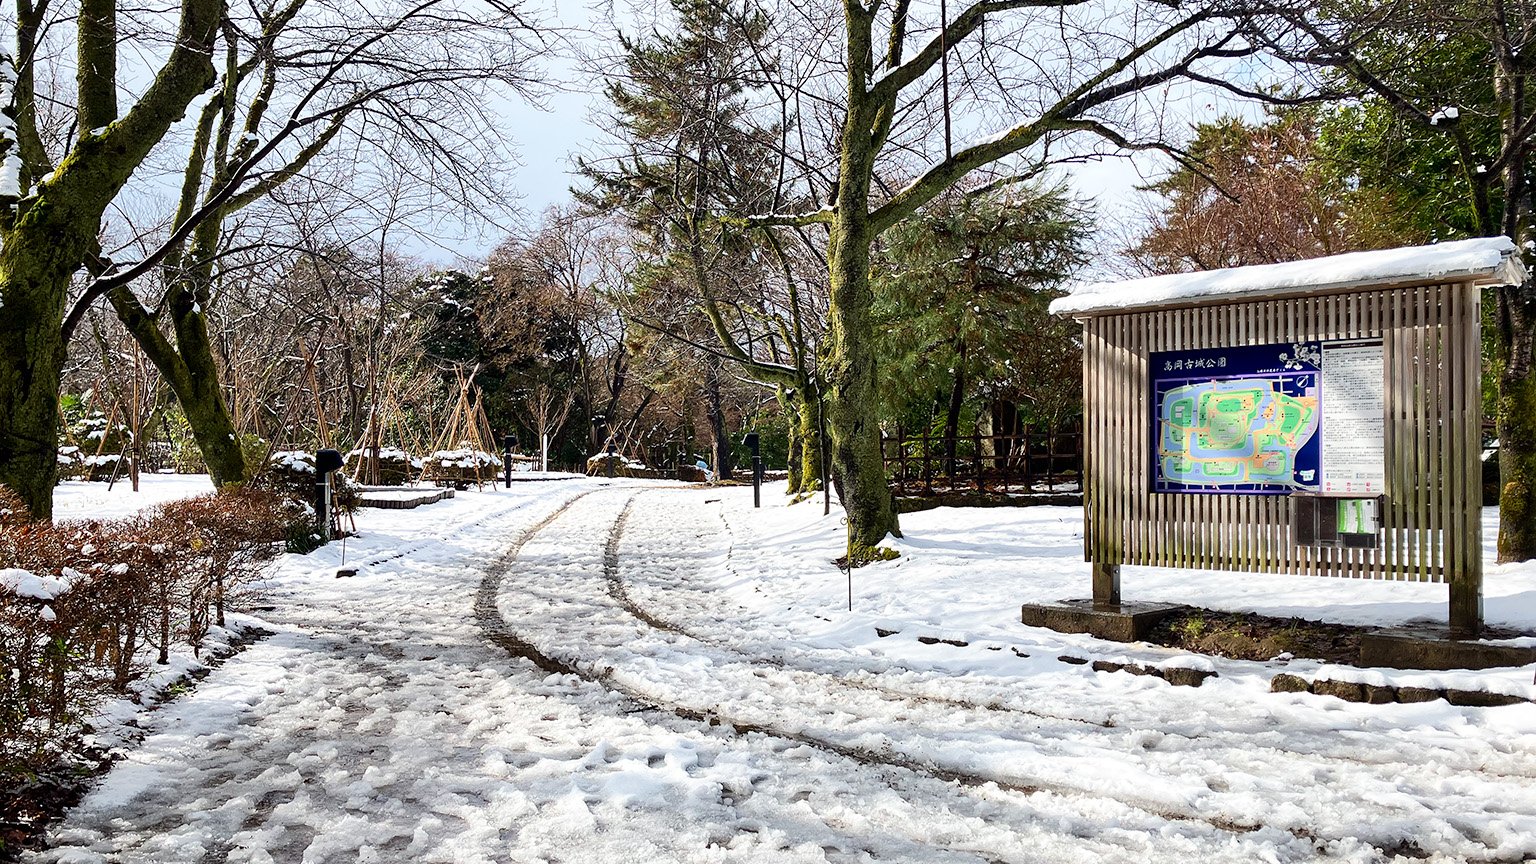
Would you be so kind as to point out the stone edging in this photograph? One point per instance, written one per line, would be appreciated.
(1383, 694)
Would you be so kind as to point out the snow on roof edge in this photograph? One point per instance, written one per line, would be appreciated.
(1493, 259)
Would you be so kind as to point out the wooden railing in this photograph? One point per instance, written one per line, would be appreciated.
(919, 463)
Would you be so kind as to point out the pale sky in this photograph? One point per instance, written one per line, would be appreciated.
(547, 136)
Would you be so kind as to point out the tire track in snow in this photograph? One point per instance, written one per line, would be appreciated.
(497, 631)
(500, 632)
(619, 589)
(1390, 842)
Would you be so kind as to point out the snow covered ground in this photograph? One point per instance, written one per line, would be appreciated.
(81, 499)
(703, 694)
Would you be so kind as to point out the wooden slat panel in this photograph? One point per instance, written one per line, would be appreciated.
(1431, 519)
(1140, 445)
(1107, 464)
(1471, 535)
(1111, 414)
(1432, 402)
(1399, 384)
(1122, 358)
(1095, 452)
(1420, 444)
(1444, 445)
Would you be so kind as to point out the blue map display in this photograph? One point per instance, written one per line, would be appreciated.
(1238, 420)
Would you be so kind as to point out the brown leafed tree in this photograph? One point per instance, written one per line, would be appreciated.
(1256, 196)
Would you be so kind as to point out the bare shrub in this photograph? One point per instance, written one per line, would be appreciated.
(83, 603)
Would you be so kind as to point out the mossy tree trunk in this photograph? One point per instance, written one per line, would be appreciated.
(850, 370)
(808, 418)
(793, 462)
(34, 274)
(49, 233)
(850, 365)
(190, 369)
(1517, 424)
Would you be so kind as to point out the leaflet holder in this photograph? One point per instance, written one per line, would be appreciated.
(1336, 521)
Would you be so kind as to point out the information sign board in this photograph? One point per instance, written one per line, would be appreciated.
(1269, 419)
(1241, 419)
(1354, 455)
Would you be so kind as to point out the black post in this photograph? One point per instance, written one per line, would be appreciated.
(753, 443)
(612, 458)
(508, 444)
(327, 462)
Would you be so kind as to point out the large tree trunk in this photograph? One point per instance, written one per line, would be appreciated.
(790, 406)
(1517, 424)
(809, 420)
(35, 266)
(212, 426)
(850, 375)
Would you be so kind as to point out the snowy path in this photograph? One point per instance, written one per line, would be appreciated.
(396, 717)
(1209, 772)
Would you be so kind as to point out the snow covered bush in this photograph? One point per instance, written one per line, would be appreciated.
(86, 606)
(622, 466)
(106, 467)
(396, 467)
(291, 473)
(71, 463)
(462, 466)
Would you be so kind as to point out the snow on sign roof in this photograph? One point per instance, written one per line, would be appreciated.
(1490, 260)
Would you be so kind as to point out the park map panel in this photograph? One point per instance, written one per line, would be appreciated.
(1237, 420)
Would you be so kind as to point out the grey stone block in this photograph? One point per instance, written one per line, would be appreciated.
(1126, 622)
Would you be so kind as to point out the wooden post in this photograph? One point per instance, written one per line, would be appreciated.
(1465, 565)
(1466, 603)
(981, 461)
(927, 462)
(1106, 584)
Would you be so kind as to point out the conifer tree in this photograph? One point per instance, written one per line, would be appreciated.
(961, 296)
(691, 152)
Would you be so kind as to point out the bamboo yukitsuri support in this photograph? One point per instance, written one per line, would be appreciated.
(467, 424)
(1159, 448)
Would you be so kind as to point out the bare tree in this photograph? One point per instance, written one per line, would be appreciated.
(403, 81)
(1261, 196)
(1054, 70)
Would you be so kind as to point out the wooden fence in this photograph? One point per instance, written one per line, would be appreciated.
(918, 462)
(1431, 528)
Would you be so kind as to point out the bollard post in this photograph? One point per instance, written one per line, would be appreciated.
(754, 444)
(327, 462)
(612, 458)
(508, 444)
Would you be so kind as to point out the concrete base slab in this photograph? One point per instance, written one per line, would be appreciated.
(1433, 648)
(1126, 622)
